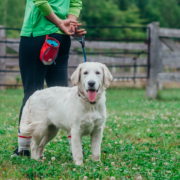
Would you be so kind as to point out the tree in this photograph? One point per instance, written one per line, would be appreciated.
(167, 12)
(122, 4)
(142, 5)
(15, 13)
(108, 13)
(12, 13)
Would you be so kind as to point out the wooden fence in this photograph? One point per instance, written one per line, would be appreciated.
(162, 49)
(164, 53)
(132, 61)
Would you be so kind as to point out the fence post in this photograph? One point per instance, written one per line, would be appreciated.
(155, 62)
(2, 60)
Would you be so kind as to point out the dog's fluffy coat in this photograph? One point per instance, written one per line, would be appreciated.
(69, 109)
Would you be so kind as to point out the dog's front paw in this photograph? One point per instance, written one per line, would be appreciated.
(78, 161)
(96, 158)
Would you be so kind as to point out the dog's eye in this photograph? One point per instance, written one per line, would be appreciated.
(97, 72)
(85, 72)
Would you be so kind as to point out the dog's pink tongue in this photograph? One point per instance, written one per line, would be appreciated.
(92, 96)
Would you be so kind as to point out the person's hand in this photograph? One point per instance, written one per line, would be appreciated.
(68, 26)
(79, 32)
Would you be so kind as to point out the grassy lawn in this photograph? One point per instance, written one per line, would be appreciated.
(141, 141)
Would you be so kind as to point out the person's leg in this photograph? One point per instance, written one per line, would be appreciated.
(57, 73)
(33, 74)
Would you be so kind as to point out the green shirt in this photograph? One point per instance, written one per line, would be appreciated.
(37, 24)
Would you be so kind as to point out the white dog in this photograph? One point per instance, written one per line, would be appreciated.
(79, 110)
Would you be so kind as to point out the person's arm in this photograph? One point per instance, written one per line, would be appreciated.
(74, 11)
(75, 7)
(46, 10)
(65, 25)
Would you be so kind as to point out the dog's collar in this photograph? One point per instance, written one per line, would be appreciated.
(79, 94)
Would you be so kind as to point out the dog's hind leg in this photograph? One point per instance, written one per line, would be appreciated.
(34, 150)
(37, 147)
(51, 133)
(42, 145)
(38, 135)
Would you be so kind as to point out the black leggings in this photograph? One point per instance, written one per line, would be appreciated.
(33, 72)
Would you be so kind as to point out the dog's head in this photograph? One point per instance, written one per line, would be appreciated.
(91, 78)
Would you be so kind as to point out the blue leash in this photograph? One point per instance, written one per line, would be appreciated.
(82, 41)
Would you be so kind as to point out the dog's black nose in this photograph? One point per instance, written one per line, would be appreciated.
(91, 83)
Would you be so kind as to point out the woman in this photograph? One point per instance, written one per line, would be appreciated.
(58, 20)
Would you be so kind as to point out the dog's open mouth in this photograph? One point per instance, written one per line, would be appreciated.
(92, 94)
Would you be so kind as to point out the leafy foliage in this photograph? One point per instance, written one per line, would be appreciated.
(167, 12)
(12, 12)
(107, 12)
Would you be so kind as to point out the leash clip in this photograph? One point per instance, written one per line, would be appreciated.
(82, 40)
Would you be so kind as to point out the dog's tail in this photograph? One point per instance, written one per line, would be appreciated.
(26, 125)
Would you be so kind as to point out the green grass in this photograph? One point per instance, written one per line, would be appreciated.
(141, 141)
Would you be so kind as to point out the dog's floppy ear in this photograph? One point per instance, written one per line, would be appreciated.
(76, 75)
(107, 76)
